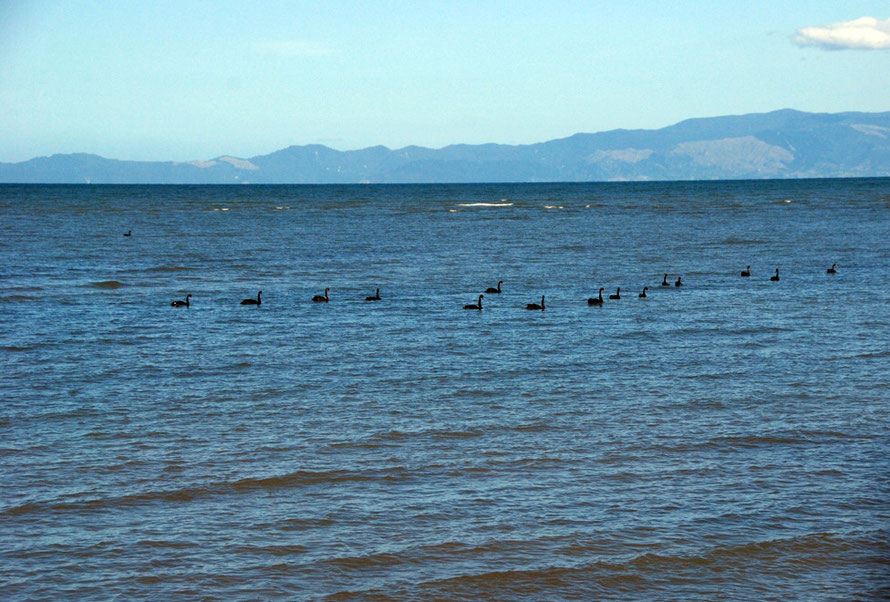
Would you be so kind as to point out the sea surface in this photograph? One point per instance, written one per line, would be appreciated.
(728, 439)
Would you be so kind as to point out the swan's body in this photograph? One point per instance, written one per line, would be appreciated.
(747, 272)
(476, 305)
(596, 300)
(179, 303)
(617, 294)
(832, 269)
(776, 277)
(536, 306)
(495, 291)
(643, 294)
(376, 296)
(679, 281)
(665, 281)
(257, 301)
(322, 299)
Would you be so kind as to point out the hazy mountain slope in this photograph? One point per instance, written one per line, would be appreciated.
(780, 144)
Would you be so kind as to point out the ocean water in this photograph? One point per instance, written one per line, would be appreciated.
(724, 440)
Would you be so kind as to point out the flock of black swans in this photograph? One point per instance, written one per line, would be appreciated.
(593, 301)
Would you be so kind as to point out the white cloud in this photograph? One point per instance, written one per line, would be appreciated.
(866, 33)
(293, 48)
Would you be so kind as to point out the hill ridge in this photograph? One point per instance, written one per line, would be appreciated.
(786, 143)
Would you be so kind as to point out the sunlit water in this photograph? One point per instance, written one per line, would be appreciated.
(728, 439)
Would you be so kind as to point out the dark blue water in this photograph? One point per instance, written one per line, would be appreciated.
(723, 440)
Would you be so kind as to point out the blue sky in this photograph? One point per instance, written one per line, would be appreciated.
(190, 80)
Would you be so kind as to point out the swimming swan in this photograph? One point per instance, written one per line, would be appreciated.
(596, 300)
(179, 303)
(495, 291)
(536, 306)
(476, 305)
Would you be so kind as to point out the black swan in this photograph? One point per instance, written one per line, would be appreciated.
(596, 300)
(178, 303)
(256, 301)
(320, 299)
(128, 233)
(679, 281)
(665, 281)
(495, 291)
(617, 294)
(536, 306)
(643, 294)
(832, 269)
(776, 277)
(475, 305)
(747, 272)
(376, 296)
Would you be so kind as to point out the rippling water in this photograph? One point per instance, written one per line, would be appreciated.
(727, 439)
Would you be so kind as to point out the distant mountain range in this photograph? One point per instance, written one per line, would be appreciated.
(780, 144)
